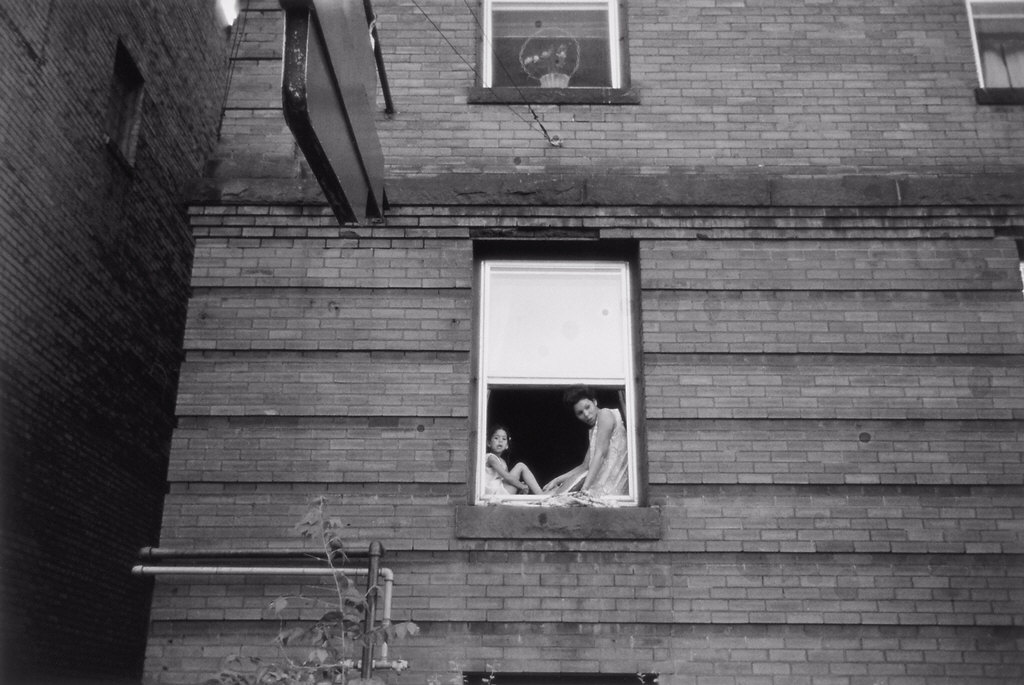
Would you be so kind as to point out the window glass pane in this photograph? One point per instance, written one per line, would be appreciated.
(999, 28)
(556, 324)
(551, 45)
(997, 7)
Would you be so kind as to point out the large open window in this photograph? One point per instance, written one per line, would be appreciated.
(545, 326)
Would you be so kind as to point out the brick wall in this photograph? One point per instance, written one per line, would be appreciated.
(778, 86)
(837, 467)
(831, 330)
(95, 261)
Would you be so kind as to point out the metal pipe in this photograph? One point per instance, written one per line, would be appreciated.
(155, 553)
(373, 570)
(378, 56)
(171, 569)
(386, 573)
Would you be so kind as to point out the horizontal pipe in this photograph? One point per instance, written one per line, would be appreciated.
(154, 553)
(387, 574)
(170, 569)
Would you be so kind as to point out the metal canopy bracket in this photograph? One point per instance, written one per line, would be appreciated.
(329, 85)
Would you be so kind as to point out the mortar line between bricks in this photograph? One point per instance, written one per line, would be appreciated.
(285, 354)
(347, 418)
(284, 289)
(1008, 293)
(230, 350)
(475, 627)
(824, 357)
(392, 420)
(987, 359)
(678, 489)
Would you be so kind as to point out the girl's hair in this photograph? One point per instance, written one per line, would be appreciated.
(508, 443)
(576, 393)
(495, 428)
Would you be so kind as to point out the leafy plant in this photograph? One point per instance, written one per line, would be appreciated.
(324, 651)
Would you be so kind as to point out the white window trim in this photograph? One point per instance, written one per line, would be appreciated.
(614, 52)
(971, 4)
(627, 382)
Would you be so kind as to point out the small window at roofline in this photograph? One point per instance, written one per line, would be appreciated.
(997, 32)
(124, 108)
(551, 44)
(545, 327)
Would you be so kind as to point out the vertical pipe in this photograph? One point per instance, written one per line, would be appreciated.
(373, 569)
(378, 55)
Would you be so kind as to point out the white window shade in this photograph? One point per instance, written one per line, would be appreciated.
(997, 28)
(556, 323)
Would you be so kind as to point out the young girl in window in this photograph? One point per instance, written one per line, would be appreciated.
(499, 479)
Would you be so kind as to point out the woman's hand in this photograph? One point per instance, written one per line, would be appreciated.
(555, 482)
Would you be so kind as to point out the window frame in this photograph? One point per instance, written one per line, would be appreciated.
(985, 94)
(618, 92)
(628, 380)
(124, 107)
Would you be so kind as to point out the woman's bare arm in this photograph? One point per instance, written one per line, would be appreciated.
(602, 442)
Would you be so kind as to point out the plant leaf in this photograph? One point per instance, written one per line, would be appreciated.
(287, 636)
(405, 629)
(318, 656)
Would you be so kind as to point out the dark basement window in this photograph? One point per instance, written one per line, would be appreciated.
(498, 678)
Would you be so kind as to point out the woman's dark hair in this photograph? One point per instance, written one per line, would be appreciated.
(576, 393)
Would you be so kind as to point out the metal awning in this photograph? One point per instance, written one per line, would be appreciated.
(329, 90)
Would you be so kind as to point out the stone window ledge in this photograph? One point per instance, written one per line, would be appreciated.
(999, 96)
(553, 96)
(558, 523)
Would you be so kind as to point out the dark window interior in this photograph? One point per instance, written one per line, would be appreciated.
(545, 434)
(492, 678)
(125, 103)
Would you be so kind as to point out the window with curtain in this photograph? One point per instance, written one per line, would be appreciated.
(998, 33)
(545, 326)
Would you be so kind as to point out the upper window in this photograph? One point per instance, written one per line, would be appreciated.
(547, 327)
(551, 44)
(997, 28)
(124, 110)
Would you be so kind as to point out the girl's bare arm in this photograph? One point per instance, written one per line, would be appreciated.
(499, 467)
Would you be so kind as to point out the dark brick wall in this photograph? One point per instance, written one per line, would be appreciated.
(96, 259)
